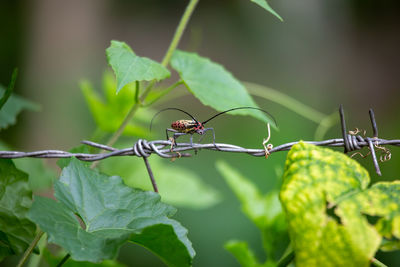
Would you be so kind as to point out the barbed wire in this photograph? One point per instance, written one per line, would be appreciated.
(351, 141)
(144, 148)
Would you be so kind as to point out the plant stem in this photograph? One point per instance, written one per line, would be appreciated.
(377, 263)
(286, 101)
(28, 252)
(164, 92)
(179, 31)
(34, 260)
(286, 259)
(66, 257)
(325, 124)
(137, 91)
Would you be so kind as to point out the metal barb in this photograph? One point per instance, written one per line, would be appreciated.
(375, 161)
(373, 122)
(375, 134)
(344, 131)
(352, 140)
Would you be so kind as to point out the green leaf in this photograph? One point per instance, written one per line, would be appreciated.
(387, 246)
(9, 89)
(242, 253)
(264, 4)
(53, 260)
(16, 231)
(176, 185)
(64, 162)
(128, 67)
(325, 196)
(40, 176)
(109, 211)
(262, 210)
(213, 85)
(169, 243)
(109, 113)
(14, 105)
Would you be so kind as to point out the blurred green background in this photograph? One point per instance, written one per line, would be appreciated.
(323, 54)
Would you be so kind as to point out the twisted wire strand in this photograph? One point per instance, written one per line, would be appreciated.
(144, 148)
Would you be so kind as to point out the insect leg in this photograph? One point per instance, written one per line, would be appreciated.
(176, 135)
(213, 133)
(191, 140)
(170, 130)
(191, 144)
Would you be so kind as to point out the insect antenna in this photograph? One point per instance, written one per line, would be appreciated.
(151, 123)
(223, 112)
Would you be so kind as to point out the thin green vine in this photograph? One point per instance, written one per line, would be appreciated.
(163, 93)
(30, 248)
(179, 32)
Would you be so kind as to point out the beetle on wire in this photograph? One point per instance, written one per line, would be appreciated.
(184, 127)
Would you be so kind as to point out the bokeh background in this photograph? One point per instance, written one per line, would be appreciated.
(323, 54)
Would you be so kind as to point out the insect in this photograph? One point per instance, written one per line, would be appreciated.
(184, 127)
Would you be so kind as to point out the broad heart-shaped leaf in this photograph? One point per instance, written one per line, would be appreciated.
(111, 213)
(14, 105)
(16, 230)
(109, 113)
(264, 4)
(325, 196)
(213, 85)
(128, 67)
(169, 243)
(177, 186)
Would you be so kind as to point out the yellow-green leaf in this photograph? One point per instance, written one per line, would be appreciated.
(326, 200)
